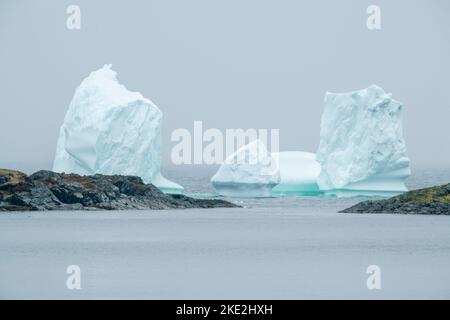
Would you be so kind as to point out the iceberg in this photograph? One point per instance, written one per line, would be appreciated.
(361, 142)
(110, 130)
(298, 173)
(249, 172)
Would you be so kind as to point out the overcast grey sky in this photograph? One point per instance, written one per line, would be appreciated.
(229, 63)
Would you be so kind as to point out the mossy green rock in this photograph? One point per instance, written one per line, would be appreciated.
(431, 201)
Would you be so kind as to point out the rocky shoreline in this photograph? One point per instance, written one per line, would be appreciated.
(47, 190)
(430, 201)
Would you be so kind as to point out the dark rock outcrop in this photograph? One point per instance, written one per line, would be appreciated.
(47, 190)
(431, 201)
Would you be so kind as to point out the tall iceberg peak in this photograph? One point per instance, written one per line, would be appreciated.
(249, 172)
(361, 142)
(111, 130)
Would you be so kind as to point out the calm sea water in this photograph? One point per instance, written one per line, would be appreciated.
(197, 183)
(197, 179)
(273, 248)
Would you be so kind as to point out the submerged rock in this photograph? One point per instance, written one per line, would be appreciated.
(47, 190)
(431, 201)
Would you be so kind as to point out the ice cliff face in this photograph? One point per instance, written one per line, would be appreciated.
(249, 172)
(361, 142)
(111, 130)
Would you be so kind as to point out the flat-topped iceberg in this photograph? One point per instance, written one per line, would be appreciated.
(298, 173)
(110, 130)
(361, 142)
(249, 172)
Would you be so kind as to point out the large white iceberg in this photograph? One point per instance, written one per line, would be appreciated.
(361, 142)
(298, 172)
(249, 172)
(111, 130)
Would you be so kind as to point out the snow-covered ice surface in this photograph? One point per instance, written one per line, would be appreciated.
(361, 142)
(309, 252)
(111, 130)
(251, 171)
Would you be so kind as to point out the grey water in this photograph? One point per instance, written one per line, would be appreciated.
(197, 183)
(271, 248)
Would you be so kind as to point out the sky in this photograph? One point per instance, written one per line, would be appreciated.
(229, 63)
